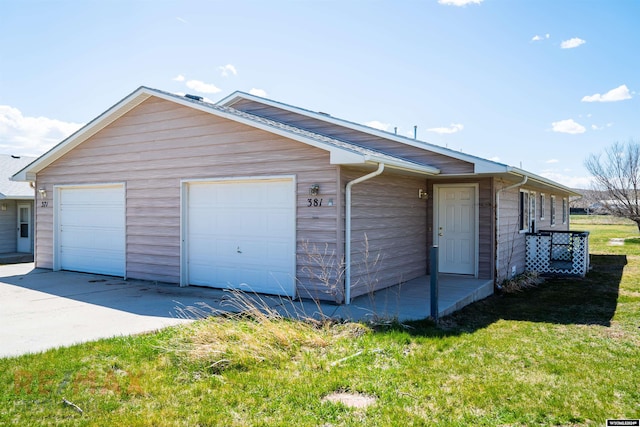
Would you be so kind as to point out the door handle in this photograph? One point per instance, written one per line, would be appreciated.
(440, 233)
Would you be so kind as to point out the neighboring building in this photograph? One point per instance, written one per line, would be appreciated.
(254, 194)
(16, 207)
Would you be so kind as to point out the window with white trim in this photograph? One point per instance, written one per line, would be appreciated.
(565, 210)
(542, 207)
(524, 210)
(553, 211)
(532, 211)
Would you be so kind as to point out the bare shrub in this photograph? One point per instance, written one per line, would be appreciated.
(529, 279)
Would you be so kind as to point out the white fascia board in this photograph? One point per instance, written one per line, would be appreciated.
(542, 180)
(344, 157)
(484, 167)
(231, 99)
(405, 166)
(29, 172)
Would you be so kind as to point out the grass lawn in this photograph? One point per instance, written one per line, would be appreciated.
(564, 353)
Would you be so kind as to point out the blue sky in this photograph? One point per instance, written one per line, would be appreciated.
(534, 84)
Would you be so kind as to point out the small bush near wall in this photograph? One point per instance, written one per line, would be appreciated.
(526, 280)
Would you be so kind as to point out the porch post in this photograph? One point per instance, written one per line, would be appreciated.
(434, 283)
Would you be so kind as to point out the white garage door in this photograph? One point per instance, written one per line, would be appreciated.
(241, 235)
(91, 229)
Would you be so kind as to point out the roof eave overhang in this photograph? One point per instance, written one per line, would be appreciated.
(338, 156)
(479, 163)
(21, 197)
(541, 180)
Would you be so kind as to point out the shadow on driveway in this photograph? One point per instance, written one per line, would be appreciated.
(43, 309)
(139, 297)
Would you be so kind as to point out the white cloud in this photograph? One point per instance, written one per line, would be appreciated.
(453, 128)
(459, 2)
(178, 78)
(537, 38)
(568, 180)
(203, 87)
(568, 126)
(594, 127)
(618, 94)
(225, 70)
(494, 159)
(572, 43)
(184, 21)
(258, 92)
(379, 125)
(30, 135)
(552, 161)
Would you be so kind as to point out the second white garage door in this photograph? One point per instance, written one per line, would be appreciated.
(241, 234)
(90, 223)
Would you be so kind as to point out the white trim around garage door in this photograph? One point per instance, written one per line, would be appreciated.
(283, 281)
(111, 231)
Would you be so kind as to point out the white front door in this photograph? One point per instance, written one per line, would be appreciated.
(455, 229)
(24, 228)
(240, 234)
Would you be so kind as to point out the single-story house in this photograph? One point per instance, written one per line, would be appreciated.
(255, 194)
(16, 209)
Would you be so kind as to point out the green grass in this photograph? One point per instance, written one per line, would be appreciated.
(564, 353)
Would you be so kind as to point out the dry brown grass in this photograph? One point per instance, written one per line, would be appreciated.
(257, 333)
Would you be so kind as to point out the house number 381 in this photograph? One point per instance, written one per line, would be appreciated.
(314, 202)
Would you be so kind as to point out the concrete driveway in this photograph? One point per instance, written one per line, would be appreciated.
(42, 309)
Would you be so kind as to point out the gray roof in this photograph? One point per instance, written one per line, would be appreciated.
(334, 142)
(342, 152)
(12, 189)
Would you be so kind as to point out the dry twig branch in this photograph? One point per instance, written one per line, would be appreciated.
(73, 405)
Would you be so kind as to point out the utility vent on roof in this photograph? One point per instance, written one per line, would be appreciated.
(194, 97)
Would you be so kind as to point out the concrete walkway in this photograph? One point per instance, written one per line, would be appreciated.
(42, 309)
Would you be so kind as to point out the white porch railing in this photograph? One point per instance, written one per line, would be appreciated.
(558, 252)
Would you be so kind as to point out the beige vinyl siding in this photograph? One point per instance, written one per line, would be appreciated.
(511, 242)
(8, 226)
(422, 155)
(511, 249)
(155, 146)
(388, 231)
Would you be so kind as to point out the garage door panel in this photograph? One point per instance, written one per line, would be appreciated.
(85, 216)
(251, 229)
(77, 237)
(91, 229)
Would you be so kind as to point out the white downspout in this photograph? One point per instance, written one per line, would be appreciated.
(347, 231)
(519, 184)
